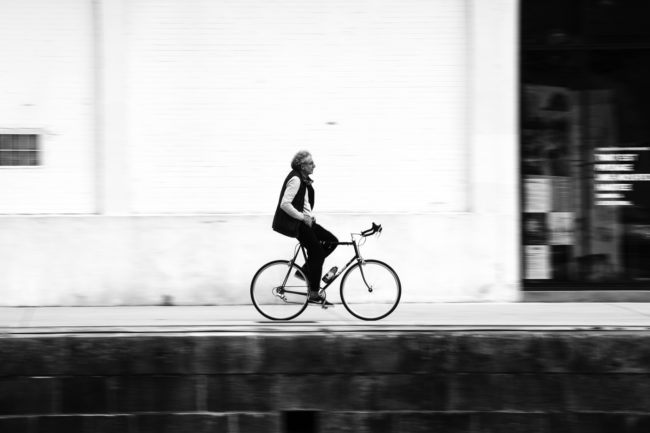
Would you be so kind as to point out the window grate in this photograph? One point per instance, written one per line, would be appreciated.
(19, 150)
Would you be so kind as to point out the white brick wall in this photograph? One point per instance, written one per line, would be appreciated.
(46, 84)
(222, 93)
(200, 100)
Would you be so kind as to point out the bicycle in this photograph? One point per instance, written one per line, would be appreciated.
(370, 289)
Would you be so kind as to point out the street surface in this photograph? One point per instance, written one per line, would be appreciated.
(244, 318)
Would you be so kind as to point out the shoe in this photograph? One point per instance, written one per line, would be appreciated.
(318, 299)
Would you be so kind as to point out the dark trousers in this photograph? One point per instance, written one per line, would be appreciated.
(312, 239)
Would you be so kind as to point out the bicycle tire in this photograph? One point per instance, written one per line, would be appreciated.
(373, 304)
(267, 290)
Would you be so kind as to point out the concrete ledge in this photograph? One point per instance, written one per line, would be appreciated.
(337, 422)
(586, 296)
(578, 352)
(384, 382)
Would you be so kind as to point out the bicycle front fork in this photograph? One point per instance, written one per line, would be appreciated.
(362, 263)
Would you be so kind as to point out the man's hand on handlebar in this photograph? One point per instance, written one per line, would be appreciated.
(371, 231)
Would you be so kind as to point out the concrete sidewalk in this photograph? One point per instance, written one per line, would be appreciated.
(244, 318)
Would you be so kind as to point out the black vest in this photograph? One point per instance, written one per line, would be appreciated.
(282, 221)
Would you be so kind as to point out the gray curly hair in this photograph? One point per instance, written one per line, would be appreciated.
(299, 158)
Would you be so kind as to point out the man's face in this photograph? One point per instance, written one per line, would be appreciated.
(308, 165)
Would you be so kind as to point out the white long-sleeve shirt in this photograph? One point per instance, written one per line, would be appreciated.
(289, 194)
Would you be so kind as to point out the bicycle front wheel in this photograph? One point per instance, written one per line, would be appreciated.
(370, 291)
(279, 291)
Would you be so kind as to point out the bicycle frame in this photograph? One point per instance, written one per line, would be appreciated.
(357, 258)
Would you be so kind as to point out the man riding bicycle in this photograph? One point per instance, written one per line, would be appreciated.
(294, 218)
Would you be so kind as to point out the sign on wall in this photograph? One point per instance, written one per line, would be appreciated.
(621, 176)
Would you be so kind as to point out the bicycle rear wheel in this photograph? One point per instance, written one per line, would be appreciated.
(277, 293)
(372, 294)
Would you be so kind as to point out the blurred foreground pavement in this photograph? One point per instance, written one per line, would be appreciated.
(487, 316)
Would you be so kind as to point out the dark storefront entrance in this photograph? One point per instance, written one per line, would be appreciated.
(585, 144)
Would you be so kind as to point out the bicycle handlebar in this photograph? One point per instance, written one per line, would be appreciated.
(376, 228)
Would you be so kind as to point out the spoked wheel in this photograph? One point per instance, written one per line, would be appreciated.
(372, 294)
(277, 292)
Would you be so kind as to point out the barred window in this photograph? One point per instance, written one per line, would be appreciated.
(19, 150)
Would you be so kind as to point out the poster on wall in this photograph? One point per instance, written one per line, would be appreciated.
(537, 262)
(562, 194)
(550, 181)
(561, 228)
(537, 193)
